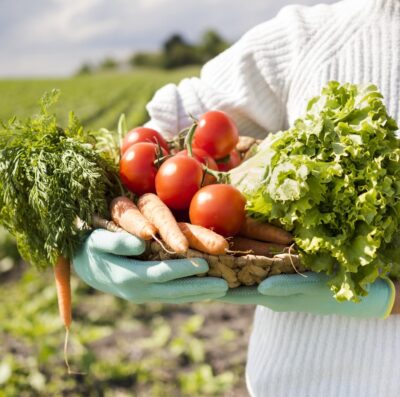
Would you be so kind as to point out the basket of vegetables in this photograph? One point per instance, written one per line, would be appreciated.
(184, 205)
(323, 195)
(181, 210)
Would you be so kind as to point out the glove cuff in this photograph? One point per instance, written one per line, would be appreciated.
(391, 298)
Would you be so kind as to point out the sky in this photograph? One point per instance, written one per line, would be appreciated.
(55, 37)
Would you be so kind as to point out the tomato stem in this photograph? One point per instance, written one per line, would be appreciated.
(193, 118)
(178, 141)
(221, 177)
(122, 129)
(189, 139)
(160, 159)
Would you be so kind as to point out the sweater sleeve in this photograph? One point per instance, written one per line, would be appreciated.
(249, 80)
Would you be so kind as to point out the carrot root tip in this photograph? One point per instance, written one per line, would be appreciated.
(163, 246)
(70, 371)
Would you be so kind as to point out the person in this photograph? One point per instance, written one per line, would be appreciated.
(303, 343)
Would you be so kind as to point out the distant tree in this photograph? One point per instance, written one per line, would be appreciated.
(108, 64)
(211, 44)
(147, 59)
(85, 69)
(178, 52)
(175, 40)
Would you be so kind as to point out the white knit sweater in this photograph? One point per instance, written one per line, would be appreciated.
(264, 81)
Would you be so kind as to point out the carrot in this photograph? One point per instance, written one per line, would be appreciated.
(125, 214)
(265, 232)
(62, 275)
(255, 247)
(204, 240)
(101, 223)
(161, 217)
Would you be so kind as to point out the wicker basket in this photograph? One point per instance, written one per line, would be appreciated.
(236, 270)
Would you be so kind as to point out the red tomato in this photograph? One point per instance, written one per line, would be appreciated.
(233, 161)
(204, 158)
(216, 133)
(137, 169)
(143, 134)
(218, 207)
(177, 180)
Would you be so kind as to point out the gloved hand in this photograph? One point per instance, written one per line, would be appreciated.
(103, 263)
(296, 293)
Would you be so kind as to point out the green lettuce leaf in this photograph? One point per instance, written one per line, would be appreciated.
(333, 179)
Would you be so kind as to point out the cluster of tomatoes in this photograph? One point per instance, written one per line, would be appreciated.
(184, 179)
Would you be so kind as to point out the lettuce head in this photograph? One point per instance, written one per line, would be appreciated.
(333, 179)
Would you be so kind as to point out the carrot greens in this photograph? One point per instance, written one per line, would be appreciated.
(49, 178)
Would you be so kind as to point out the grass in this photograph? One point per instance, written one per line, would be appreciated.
(97, 99)
(125, 349)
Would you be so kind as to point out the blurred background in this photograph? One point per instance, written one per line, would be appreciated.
(108, 58)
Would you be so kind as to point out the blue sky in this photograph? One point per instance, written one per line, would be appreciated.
(54, 37)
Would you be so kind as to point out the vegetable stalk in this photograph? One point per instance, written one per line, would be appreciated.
(49, 178)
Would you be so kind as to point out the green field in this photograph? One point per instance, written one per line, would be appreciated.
(97, 99)
(125, 349)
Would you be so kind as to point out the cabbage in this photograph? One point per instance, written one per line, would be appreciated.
(333, 180)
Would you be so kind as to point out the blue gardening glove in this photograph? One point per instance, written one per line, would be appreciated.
(296, 293)
(103, 263)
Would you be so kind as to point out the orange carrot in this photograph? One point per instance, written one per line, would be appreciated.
(255, 247)
(162, 218)
(125, 214)
(204, 240)
(62, 274)
(265, 232)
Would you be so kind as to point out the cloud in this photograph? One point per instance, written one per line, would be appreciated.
(152, 4)
(53, 37)
(71, 22)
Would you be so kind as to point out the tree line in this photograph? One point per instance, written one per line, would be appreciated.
(175, 52)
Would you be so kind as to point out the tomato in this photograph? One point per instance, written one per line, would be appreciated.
(216, 133)
(143, 134)
(203, 157)
(177, 180)
(137, 169)
(233, 161)
(218, 207)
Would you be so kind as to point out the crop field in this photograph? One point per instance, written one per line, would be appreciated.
(97, 99)
(124, 349)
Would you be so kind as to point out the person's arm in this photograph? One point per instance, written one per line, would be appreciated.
(249, 81)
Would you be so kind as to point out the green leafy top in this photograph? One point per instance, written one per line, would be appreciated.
(334, 180)
(49, 179)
